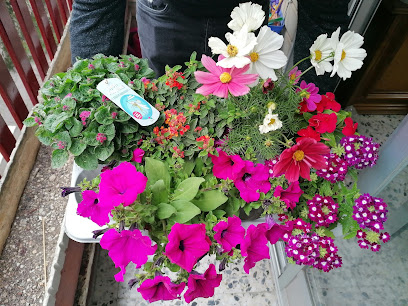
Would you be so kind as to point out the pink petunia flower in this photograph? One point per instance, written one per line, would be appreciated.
(202, 285)
(138, 155)
(220, 81)
(310, 94)
(226, 166)
(91, 208)
(127, 246)
(289, 195)
(229, 234)
(121, 185)
(278, 231)
(297, 160)
(251, 180)
(187, 243)
(160, 289)
(254, 247)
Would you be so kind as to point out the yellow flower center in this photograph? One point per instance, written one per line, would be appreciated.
(232, 50)
(299, 155)
(318, 55)
(225, 77)
(343, 55)
(305, 94)
(272, 121)
(254, 56)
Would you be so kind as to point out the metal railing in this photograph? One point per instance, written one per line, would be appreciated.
(30, 32)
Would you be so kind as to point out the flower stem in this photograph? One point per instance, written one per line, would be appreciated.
(302, 60)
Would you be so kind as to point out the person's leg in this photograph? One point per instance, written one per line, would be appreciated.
(97, 26)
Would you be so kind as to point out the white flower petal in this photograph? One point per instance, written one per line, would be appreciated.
(217, 45)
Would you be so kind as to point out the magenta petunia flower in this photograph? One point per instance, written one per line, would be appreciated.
(251, 180)
(229, 234)
(91, 208)
(220, 81)
(226, 166)
(160, 289)
(138, 155)
(202, 285)
(289, 195)
(310, 94)
(254, 247)
(121, 185)
(125, 247)
(278, 231)
(187, 243)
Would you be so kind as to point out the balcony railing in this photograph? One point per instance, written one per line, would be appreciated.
(30, 32)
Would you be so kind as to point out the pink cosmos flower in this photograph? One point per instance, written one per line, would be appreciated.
(290, 195)
(294, 75)
(219, 81)
(187, 243)
(297, 160)
(254, 247)
(138, 155)
(160, 289)
(91, 208)
(127, 246)
(121, 185)
(202, 285)
(229, 234)
(251, 180)
(310, 94)
(226, 166)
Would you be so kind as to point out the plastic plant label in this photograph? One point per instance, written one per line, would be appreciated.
(129, 101)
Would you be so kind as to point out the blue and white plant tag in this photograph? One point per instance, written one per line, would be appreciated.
(129, 101)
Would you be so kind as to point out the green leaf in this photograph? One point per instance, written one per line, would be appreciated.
(55, 121)
(210, 200)
(87, 160)
(157, 170)
(77, 147)
(188, 167)
(76, 128)
(105, 151)
(30, 121)
(59, 158)
(165, 211)
(108, 129)
(103, 116)
(219, 213)
(44, 136)
(188, 188)
(185, 211)
(159, 193)
(129, 127)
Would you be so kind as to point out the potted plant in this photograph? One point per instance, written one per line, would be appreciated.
(234, 135)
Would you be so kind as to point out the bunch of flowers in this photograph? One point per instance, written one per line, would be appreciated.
(237, 136)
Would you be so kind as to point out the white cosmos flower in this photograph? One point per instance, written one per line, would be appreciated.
(266, 56)
(320, 54)
(236, 52)
(271, 123)
(248, 14)
(348, 56)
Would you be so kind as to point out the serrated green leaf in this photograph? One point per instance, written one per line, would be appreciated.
(87, 160)
(29, 122)
(55, 121)
(103, 116)
(188, 188)
(59, 158)
(77, 147)
(76, 128)
(108, 129)
(105, 151)
(210, 200)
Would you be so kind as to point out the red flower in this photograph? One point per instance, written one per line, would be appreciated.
(350, 128)
(297, 160)
(328, 102)
(308, 132)
(324, 122)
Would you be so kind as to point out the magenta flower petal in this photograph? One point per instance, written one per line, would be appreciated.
(125, 247)
(138, 155)
(229, 234)
(226, 166)
(160, 289)
(187, 243)
(202, 285)
(255, 248)
(121, 185)
(277, 232)
(251, 180)
(290, 195)
(91, 208)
